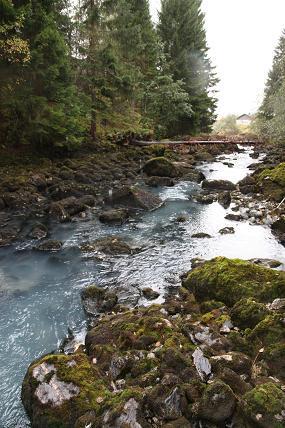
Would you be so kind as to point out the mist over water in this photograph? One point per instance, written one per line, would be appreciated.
(40, 293)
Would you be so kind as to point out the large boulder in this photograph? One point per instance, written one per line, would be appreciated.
(58, 389)
(160, 167)
(229, 280)
(218, 185)
(135, 198)
(272, 182)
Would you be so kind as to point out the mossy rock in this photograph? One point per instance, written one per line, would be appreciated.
(230, 280)
(160, 167)
(52, 404)
(96, 299)
(247, 313)
(217, 403)
(272, 182)
(274, 355)
(269, 331)
(265, 405)
(59, 390)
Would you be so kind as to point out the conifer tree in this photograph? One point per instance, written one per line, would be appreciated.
(181, 28)
(42, 107)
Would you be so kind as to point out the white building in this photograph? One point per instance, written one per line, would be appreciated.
(244, 119)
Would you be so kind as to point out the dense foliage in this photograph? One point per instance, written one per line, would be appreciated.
(271, 116)
(78, 71)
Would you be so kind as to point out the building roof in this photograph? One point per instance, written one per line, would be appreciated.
(244, 117)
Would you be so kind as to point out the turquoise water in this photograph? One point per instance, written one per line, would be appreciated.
(40, 293)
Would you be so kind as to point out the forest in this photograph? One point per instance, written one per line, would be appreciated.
(81, 71)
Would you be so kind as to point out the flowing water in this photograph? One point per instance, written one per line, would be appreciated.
(40, 293)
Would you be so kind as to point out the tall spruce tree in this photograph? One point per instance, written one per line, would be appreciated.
(181, 28)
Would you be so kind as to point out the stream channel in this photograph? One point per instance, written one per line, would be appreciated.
(40, 292)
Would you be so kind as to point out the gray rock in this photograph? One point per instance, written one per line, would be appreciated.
(150, 294)
(227, 231)
(233, 217)
(38, 231)
(50, 245)
(225, 199)
(114, 216)
(194, 175)
(218, 185)
(136, 198)
(276, 305)
(97, 300)
(111, 245)
(160, 167)
(201, 235)
(160, 182)
(205, 199)
(202, 364)
(217, 404)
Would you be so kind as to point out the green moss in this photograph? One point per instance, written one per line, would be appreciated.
(229, 280)
(161, 167)
(272, 182)
(269, 331)
(276, 175)
(93, 292)
(209, 305)
(247, 313)
(265, 399)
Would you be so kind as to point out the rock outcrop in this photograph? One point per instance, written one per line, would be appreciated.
(212, 355)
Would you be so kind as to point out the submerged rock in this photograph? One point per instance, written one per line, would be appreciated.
(111, 245)
(201, 235)
(50, 245)
(160, 167)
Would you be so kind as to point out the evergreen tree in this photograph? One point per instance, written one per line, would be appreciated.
(42, 107)
(181, 28)
(276, 79)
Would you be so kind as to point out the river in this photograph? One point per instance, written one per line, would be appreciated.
(40, 293)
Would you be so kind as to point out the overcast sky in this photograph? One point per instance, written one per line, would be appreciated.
(242, 36)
